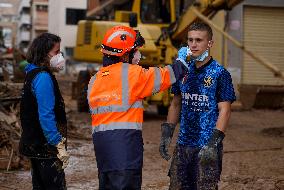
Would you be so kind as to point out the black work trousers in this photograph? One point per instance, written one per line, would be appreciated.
(47, 174)
(120, 180)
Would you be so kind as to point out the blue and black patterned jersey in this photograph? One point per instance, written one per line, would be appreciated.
(201, 90)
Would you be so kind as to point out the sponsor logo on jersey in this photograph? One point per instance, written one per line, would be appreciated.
(196, 102)
(208, 81)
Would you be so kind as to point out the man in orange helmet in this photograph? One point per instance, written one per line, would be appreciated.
(115, 95)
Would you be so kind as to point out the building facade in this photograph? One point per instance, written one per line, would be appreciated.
(259, 26)
(39, 17)
(63, 17)
(24, 25)
(8, 22)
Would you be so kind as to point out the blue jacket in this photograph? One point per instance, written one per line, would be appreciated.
(43, 90)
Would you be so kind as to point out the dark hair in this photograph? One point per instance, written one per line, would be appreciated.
(110, 59)
(201, 26)
(40, 47)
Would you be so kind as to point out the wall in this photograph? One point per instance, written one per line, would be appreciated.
(235, 29)
(39, 18)
(57, 20)
(217, 51)
(92, 4)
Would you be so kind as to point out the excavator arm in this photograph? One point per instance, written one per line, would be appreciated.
(206, 7)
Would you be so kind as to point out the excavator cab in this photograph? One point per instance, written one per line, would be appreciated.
(155, 12)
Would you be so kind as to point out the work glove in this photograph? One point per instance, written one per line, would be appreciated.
(167, 130)
(209, 153)
(62, 153)
(180, 68)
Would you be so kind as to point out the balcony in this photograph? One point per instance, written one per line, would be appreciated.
(41, 19)
(24, 36)
(25, 19)
(24, 4)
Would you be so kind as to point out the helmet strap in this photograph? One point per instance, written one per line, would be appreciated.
(131, 55)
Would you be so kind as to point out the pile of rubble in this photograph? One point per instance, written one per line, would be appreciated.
(10, 126)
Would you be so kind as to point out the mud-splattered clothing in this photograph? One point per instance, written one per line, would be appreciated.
(43, 122)
(42, 113)
(186, 172)
(47, 174)
(201, 90)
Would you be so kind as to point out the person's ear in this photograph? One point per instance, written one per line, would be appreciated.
(210, 44)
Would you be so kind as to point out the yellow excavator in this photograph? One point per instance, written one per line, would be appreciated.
(163, 24)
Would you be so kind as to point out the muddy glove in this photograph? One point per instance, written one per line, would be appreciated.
(167, 130)
(209, 153)
(180, 68)
(62, 153)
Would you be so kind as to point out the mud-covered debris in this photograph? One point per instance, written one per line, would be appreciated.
(10, 94)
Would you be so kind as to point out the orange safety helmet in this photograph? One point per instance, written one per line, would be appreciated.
(121, 39)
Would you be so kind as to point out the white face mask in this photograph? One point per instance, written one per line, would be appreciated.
(201, 57)
(57, 62)
(136, 57)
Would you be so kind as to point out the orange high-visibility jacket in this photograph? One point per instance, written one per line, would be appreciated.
(115, 97)
(115, 94)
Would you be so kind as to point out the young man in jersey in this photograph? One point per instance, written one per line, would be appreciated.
(115, 95)
(202, 104)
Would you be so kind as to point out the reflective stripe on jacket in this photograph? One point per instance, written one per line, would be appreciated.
(116, 92)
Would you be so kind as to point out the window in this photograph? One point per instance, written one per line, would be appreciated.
(42, 8)
(74, 15)
(69, 51)
(155, 11)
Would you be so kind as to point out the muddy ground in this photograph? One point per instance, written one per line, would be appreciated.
(253, 152)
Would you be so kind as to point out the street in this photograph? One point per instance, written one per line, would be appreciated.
(253, 153)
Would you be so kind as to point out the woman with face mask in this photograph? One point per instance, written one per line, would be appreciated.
(42, 114)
